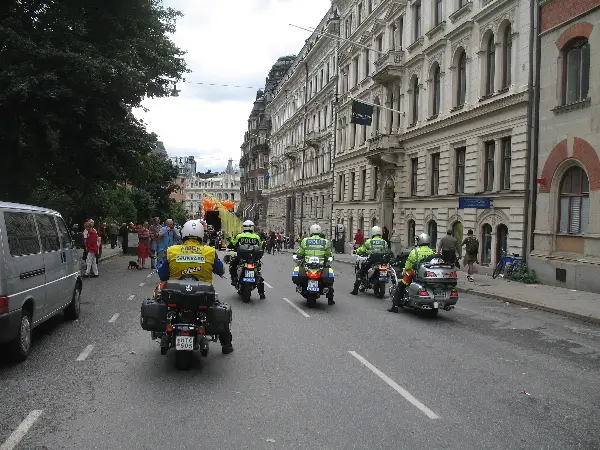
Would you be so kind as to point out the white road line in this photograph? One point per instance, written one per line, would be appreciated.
(114, 318)
(85, 353)
(268, 285)
(17, 435)
(131, 297)
(296, 307)
(150, 274)
(395, 386)
(142, 284)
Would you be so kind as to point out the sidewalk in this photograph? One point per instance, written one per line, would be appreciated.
(580, 305)
(107, 253)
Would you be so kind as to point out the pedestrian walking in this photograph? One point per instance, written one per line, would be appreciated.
(144, 245)
(471, 244)
(154, 240)
(449, 248)
(91, 245)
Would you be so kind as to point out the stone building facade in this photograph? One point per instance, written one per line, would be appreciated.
(222, 186)
(302, 114)
(256, 148)
(186, 167)
(454, 77)
(566, 231)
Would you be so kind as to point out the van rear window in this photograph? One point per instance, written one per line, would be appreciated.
(48, 232)
(22, 234)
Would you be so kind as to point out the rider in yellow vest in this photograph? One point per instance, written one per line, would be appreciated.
(194, 258)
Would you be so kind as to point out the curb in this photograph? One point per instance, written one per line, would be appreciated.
(572, 315)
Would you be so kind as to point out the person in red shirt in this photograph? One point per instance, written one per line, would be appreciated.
(91, 245)
(359, 239)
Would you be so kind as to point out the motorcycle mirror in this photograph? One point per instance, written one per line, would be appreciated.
(330, 259)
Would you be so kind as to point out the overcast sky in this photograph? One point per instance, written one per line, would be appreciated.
(228, 42)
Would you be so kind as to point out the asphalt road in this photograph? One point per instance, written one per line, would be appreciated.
(484, 376)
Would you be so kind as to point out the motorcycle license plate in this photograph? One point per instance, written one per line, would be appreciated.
(313, 285)
(439, 294)
(384, 278)
(249, 273)
(185, 343)
(250, 280)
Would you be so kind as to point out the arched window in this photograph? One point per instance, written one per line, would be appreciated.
(457, 231)
(415, 100)
(432, 232)
(461, 85)
(574, 202)
(411, 229)
(437, 89)
(373, 222)
(486, 252)
(507, 57)
(490, 65)
(576, 71)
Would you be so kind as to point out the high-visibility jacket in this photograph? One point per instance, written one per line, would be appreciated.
(314, 245)
(374, 243)
(190, 258)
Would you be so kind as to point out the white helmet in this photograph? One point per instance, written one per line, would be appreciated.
(423, 239)
(248, 225)
(375, 231)
(192, 229)
(315, 229)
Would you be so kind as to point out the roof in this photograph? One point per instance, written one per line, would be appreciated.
(9, 205)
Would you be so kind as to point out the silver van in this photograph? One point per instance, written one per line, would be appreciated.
(39, 273)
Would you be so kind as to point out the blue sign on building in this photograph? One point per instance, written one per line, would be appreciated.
(474, 202)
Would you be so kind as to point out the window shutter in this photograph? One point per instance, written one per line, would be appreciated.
(575, 219)
(564, 215)
(585, 214)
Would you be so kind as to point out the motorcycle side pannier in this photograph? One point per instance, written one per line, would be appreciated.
(188, 294)
(153, 315)
(218, 317)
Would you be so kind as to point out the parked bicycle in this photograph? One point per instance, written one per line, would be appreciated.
(509, 266)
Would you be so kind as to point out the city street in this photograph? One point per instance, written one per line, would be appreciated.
(485, 376)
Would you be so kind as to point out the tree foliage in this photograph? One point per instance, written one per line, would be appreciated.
(71, 72)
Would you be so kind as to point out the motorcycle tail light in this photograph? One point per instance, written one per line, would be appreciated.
(452, 274)
(454, 294)
(313, 275)
(201, 330)
(430, 275)
(423, 293)
(383, 268)
(202, 307)
(185, 333)
(169, 328)
(172, 305)
(249, 266)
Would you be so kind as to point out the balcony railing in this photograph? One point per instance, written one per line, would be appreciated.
(382, 145)
(388, 68)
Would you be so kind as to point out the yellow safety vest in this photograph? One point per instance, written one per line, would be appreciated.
(191, 259)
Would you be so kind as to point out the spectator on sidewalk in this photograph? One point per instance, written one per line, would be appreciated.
(167, 238)
(123, 237)
(385, 235)
(449, 249)
(144, 245)
(113, 231)
(91, 245)
(154, 240)
(359, 239)
(471, 245)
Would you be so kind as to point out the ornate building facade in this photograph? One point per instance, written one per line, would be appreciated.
(566, 224)
(453, 76)
(302, 138)
(256, 148)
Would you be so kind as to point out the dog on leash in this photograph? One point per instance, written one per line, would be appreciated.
(133, 265)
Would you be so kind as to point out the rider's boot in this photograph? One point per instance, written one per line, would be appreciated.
(261, 290)
(233, 275)
(330, 300)
(398, 296)
(226, 346)
(356, 286)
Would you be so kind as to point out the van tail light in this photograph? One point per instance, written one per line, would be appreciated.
(3, 305)
(430, 275)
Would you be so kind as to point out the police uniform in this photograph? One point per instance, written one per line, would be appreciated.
(417, 254)
(374, 243)
(193, 259)
(245, 238)
(316, 245)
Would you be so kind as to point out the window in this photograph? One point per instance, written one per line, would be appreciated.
(359, 13)
(488, 176)
(65, 236)
(461, 94)
(22, 234)
(486, 251)
(432, 232)
(437, 88)
(369, 6)
(340, 187)
(490, 65)
(411, 228)
(367, 64)
(576, 71)
(415, 98)
(48, 232)
(379, 44)
(352, 184)
(400, 32)
(574, 202)
(417, 15)
(435, 173)
(459, 177)
(439, 18)
(506, 163)
(355, 66)
(461, 3)
(507, 58)
(363, 180)
(414, 176)
(232, 197)
(375, 182)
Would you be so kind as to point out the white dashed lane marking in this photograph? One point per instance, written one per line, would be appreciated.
(131, 297)
(268, 285)
(85, 353)
(17, 435)
(114, 318)
(296, 307)
(142, 284)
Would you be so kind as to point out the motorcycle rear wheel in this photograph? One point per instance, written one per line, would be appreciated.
(380, 290)
(183, 360)
(311, 300)
(246, 293)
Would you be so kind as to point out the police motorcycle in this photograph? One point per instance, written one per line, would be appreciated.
(377, 276)
(433, 286)
(185, 314)
(395, 269)
(248, 269)
(229, 255)
(312, 277)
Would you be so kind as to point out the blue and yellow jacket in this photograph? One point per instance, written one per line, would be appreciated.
(190, 258)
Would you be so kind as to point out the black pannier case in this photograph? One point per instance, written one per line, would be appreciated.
(218, 317)
(246, 252)
(188, 294)
(154, 315)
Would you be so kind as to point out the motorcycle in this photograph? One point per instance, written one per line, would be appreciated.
(229, 256)
(377, 276)
(248, 270)
(185, 314)
(313, 278)
(433, 287)
(396, 267)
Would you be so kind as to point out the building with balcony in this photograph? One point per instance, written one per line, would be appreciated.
(453, 78)
(303, 113)
(222, 186)
(186, 167)
(566, 166)
(256, 148)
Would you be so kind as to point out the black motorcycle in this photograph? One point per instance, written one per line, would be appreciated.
(185, 314)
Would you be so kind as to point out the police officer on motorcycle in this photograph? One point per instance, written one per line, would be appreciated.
(177, 263)
(375, 242)
(246, 237)
(316, 245)
(419, 253)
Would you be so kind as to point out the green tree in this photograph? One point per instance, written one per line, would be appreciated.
(177, 212)
(71, 72)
